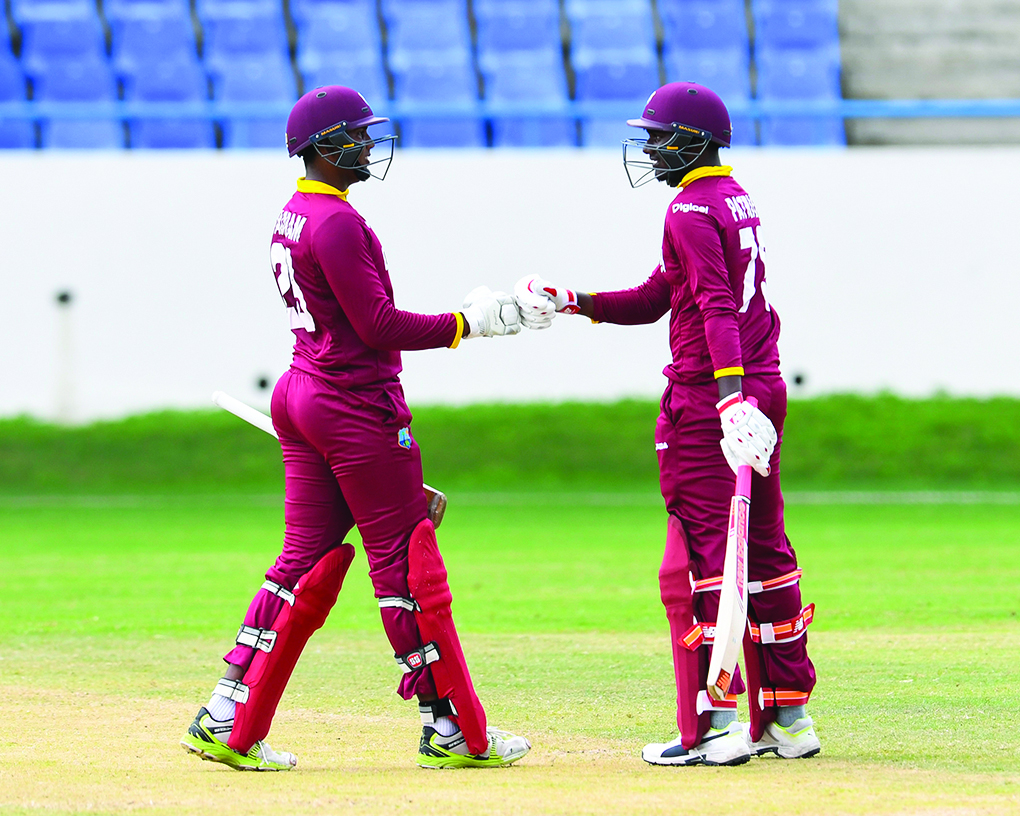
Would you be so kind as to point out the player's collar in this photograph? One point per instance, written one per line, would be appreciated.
(306, 186)
(704, 172)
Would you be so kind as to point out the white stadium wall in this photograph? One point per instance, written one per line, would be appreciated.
(892, 269)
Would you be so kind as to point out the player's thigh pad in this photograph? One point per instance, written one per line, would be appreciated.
(431, 596)
(278, 648)
(764, 696)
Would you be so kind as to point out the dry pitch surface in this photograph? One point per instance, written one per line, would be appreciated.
(86, 736)
(113, 621)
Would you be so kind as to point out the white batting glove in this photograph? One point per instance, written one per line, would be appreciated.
(749, 437)
(490, 314)
(564, 300)
(536, 308)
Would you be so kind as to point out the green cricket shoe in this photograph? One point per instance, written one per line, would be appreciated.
(437, 751)
(206, 737)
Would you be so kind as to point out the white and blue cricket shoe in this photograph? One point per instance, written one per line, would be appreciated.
(721, 746)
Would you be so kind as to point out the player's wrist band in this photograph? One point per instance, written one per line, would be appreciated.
(462, 329)
(729, 401)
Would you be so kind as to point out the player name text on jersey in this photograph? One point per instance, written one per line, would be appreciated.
(741, 207)
(289, 225)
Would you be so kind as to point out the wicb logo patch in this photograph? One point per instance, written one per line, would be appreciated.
(404, 438)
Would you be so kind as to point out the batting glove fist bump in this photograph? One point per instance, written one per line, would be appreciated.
(490, 314)
(538, 300)
(749, 437)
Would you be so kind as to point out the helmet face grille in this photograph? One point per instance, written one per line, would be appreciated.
(337, 146)
(665, 160)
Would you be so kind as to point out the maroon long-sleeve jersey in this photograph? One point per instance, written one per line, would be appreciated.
(712, 281)
(331, 272)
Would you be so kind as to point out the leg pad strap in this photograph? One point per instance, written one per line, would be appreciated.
(783, 631)
(753, 587)
(432, 711)
(233, 690)
(775, 697)
(262, 639)
(415, 659)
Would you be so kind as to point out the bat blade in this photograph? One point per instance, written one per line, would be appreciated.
(732, 618)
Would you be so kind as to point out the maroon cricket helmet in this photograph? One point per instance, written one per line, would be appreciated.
(686, 106)
(324, 111)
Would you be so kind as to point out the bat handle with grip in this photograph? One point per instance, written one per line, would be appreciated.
(744, 472)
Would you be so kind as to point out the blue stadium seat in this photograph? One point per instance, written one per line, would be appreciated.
(792, 130)
(47, 42)
(795, 24)
(259, 80)
(142, 38)
(514, 26)
(745, 131)
(115, 10)
(244, 34)
(367, 77)
(726, 71)
(438, 8)
(17, 134)
(617, 80)
(800, 74)
(331, 34)
(12, 80)
(575, 8)
(593, 34)
(82, 134)
(85, 80)
(215, 9)
(175, 80)
(625, 82)
(30, 10)
(419, 34)
(488, 8)
(454, 131)
(89, 79)
(437, 81)
(538, 78)
(302, 10)
(443, 83)
(702, 24)
(14, 133)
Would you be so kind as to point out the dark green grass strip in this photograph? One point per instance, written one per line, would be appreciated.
(191, 570)
(835, 442)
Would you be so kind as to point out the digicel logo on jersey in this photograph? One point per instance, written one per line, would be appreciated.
(678, 207)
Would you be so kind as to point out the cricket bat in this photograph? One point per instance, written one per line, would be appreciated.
(732, 618)
(436, 499)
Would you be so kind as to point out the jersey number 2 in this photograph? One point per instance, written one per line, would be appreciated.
(283, 268)
(748, 240)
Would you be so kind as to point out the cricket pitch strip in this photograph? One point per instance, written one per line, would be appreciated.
(85, 730)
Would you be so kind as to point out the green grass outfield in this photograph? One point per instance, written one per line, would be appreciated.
(115, 610)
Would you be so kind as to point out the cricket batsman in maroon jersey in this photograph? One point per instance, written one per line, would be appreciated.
(723, 335)
(350, 459)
